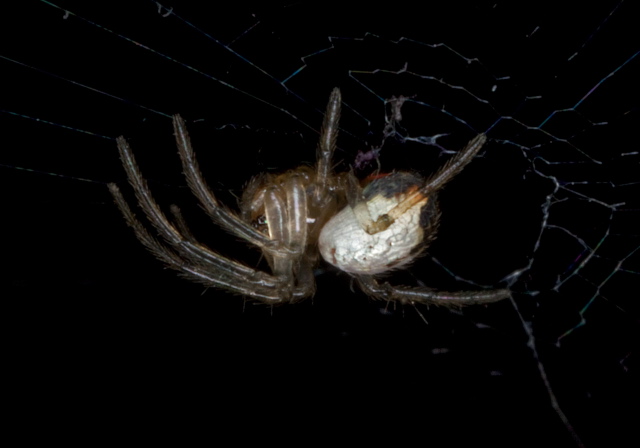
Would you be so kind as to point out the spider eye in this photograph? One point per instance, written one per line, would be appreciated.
(261, 223)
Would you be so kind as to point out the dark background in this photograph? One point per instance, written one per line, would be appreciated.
(97, 325)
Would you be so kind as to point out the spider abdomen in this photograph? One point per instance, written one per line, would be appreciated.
(346, 244)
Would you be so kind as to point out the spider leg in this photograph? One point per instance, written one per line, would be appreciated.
(183, 228)
(453, 167)
(408, 294)
(287, 238)
(254, 283)
(327, 144)
(188, 249)
(184, 246)
(430, 187)
(220, 214)
(286, 213)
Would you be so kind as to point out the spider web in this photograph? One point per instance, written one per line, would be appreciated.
(550, 208)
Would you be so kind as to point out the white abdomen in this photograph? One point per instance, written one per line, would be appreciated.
(344, 243)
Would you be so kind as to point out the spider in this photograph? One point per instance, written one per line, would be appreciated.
(300, 216)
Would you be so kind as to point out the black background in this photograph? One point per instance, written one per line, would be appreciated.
(100, 333)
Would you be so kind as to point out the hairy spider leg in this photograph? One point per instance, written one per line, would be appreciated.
(194, 272)
(424, 295)
(285, 209)
(194, 260)
(327, 144)
(431, 186)
(216, 211)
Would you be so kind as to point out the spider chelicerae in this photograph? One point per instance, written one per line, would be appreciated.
(300, 216)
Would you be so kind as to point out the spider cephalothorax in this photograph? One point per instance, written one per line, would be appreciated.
(297, 217)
